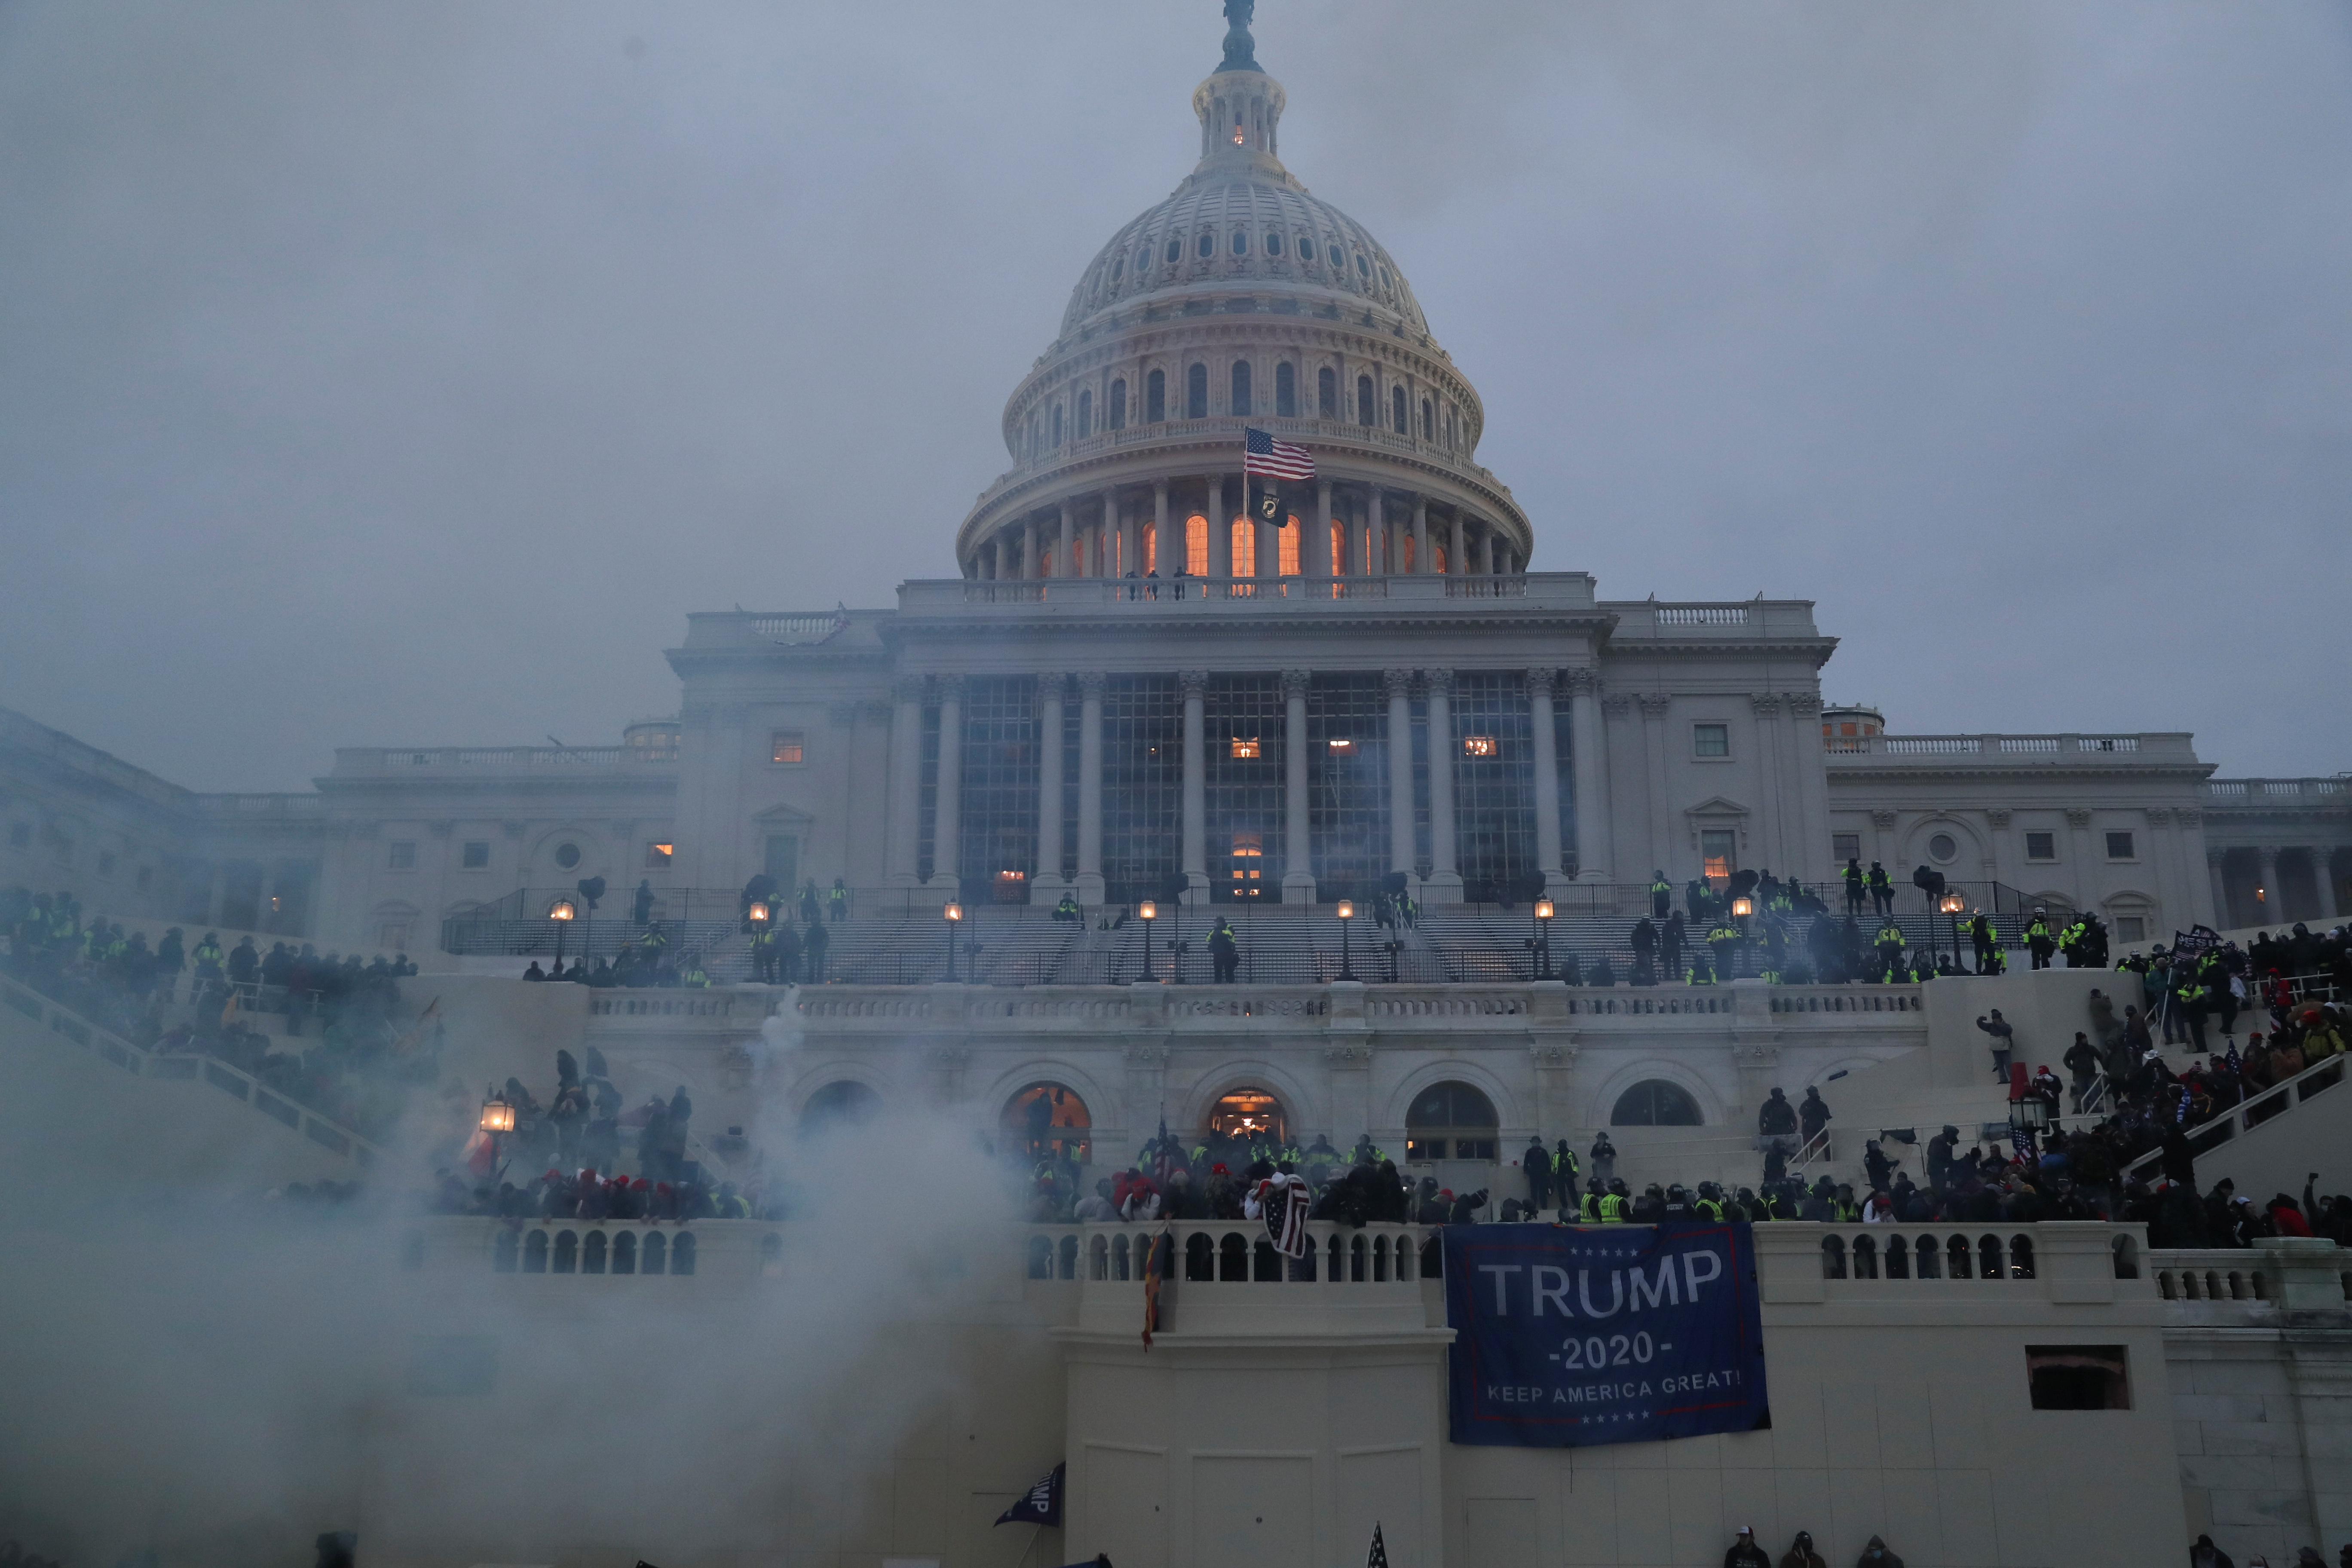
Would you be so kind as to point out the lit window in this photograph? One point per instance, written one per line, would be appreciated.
(1718, 848)
(474, 855)
(1242, 748)
(1845, 729)
(1287, 552)
(1711, 740)
(1249, 847)
(1479, 746)
(404, 855)
(658, 856)
(2119, 846)
(1341, 743)
(1870, 729)
(567, 856)
(787, 746)
(2041, 846)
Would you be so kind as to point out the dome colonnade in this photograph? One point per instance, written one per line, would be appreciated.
(1242, 300)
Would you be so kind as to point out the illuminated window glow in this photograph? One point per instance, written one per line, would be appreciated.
(1480, 746)
(787, 746)
(1245, 747)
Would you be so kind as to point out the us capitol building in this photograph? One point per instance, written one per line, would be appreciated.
(1143, 684)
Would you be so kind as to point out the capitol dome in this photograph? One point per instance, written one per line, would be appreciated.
(1242, 301)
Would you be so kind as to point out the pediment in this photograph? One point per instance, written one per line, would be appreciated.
(1716, 806)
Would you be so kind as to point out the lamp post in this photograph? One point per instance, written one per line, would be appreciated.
(1543, 913)
(954, 913)
(1952, 904)
(1147, 912)
(2029, 1113)
(562, 912)
(1347, 929)
(759, 915)
(1741, 908)
(497, 1117)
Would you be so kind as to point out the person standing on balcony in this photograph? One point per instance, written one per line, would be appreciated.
(1563, 1174)
(1662, 895)
(812, 949)
(1671, 941)
(1224, 952)
(1889, 943)
(1855, 886)
(641, 907)
(838, 901)
(1813, 1117)
(1536, 1163)
(1882, 891)
(1605, 1161)
(2038, 939)
(788, 953)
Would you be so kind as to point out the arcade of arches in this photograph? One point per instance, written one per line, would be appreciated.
(1048, 1121)
(1654, 1102)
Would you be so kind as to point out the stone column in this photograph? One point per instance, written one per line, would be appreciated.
(906, 775)
(1029, 547)
(1298, 841)
(1422, 563)
(1050, 690)
(1107, 535)
(1457, 562)
(1068, 555)
(1588, 744)
(1376, 533)
(1882, 838)
(1195, 863)
(1401, 846)
(1808, 767)
(947, 814)
(1486, 552)
(1315, 555)
(2272, 909)
(1159, 530)
(1663, 839)
(1444, 885)
(1772, 843)
(1539, 721)
(2215, 866)
(1091, 781)
(2322, 878)
(1221, 528)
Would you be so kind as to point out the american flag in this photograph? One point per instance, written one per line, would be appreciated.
(1380, 1557)
(1262, 454)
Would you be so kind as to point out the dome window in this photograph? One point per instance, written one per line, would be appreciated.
(1196, 391)
(1175, 251)
(1286, 391)
(1143, 261)
(1384, 277)
(1274, 245)
(1118, 420)
(1207, 246)
(1241, 398)
(1327, 393)
(1155, 397)
(1363, 267)
(1365, 403)
(1058, 425)
(1241, 242)
(1396, 415)
(1336, 260)
(1086, 414)
(1118, 270)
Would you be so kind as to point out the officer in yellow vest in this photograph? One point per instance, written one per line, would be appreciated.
(1613, 1205)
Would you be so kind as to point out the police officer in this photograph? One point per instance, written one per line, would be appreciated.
(763, 952)
(1882, 889)
(812, 948)
(1980, 938)
(693, 977)
(838, 901)
(1889, 943)
(1224, 952)
(2038, 937)
(1723, 940)
(1613, 1205)
(1661, 896)
(1709, 1202)
(1563, 1174)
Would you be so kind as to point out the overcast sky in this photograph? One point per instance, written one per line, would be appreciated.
(406, 372)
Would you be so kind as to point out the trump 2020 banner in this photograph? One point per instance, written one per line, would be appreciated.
(1568, 1337)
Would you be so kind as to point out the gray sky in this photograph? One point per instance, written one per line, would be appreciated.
(395, 374)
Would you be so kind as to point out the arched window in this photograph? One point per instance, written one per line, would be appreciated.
(1244, 547)
(1428, 418)
(1241, 389)
(1155, 397)
(1208, 245)
(1241, 242)
(534, 1253)
(625, 1253)
(656, 1260)
(1336, 261)
(1340, 563)
(1274, 245)
(1307, 249)
(1118, 420)
(1118, 270)
(1086, 414)
(567, 1252)
(1286, 391)
(1250, 1112)
(1058, 422)
(1326, 393)
(681, 1254)
(591, 1256)
(1047, 1119)
(1142, 261)
(1365, 405)
(1396, 413)
(1149, 544)
(1196, 391)
(1363, 267)
(1196, 545)
(844, 1102)
(1450, 1120)
(1287, 554)
(1175, 251)
(1654, 1102)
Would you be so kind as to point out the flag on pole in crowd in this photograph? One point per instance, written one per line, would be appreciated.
(1262, 454)
(1041, 1504)
(2235, 1063)
(1380, 1557)
(1165, 1158)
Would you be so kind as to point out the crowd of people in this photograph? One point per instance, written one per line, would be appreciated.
(362, 1056)
(1802, 1553)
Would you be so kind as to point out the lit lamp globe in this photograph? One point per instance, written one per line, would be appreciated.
(758, 913)
(1741, 908)
(498, 1116)
(1544, 908)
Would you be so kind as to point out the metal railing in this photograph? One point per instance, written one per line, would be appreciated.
(2250, 1112)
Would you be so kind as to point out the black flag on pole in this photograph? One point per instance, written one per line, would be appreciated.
(1380, 1557)
(1041, 1504)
